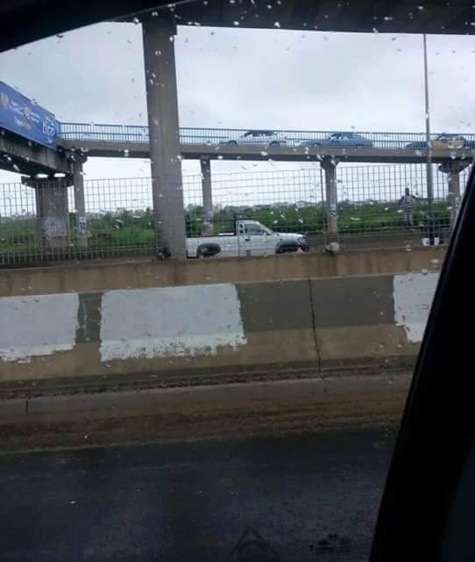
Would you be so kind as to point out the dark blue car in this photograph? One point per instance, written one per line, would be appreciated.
(340, 140)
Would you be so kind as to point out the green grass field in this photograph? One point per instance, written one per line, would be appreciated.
(129, 231)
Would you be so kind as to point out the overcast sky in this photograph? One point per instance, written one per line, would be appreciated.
(249, 79)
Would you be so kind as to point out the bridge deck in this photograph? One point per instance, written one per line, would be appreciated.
(284, 154)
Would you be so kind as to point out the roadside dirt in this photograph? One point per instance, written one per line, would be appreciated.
(227, 418)
(146, 381)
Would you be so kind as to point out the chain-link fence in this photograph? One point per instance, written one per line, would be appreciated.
(247, 213)
(41, 224)
(389, 205)
(372, 209)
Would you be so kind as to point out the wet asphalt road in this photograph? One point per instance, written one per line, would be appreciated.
(192, 501)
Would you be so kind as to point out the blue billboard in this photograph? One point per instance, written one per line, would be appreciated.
(24, 117)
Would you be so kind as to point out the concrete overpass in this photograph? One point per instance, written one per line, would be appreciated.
(79, 141)
(407, 16)
(22, 156)
(212, 144)
(398, 16)
(119, 149)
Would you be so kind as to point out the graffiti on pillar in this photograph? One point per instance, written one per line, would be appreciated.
(332, 210)
(208, 218)
(55, 227)
(82, 225)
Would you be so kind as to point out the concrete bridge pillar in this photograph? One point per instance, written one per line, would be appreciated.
(206, 186)
(78, 161)
(159, 32)
(329, 167)
(52, 212)
(453, 168)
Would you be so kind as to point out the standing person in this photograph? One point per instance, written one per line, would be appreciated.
(406, 204)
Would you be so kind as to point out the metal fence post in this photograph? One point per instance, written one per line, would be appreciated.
(453, 169)
(78, 161)
(329, 167)
(207, 196)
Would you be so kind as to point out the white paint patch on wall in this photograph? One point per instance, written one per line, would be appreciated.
(37, 325)
(413, 295)
(170, 322)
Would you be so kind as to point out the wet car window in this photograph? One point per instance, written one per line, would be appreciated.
(221, 230)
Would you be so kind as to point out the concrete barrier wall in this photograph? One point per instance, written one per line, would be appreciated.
(317, 323)
(103, 276)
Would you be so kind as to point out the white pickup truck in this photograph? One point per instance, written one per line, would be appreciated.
(251, 238)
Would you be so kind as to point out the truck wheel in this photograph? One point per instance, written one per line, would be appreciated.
(208, 250)
(287, 248)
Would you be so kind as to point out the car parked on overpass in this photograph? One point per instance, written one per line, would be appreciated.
(259, 137)
(340, 140)
(444, 141)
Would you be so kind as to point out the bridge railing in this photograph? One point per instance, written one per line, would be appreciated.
(199, 136)
(104, 132)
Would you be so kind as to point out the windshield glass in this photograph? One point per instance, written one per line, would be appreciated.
(195, 396)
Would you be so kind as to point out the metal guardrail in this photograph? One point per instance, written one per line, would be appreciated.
(139, 134)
